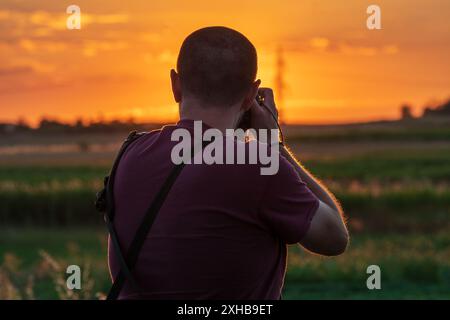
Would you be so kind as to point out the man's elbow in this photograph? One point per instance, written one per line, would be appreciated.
(338, 246)
(327, 235)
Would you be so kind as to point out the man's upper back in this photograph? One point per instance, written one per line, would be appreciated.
(222, 230)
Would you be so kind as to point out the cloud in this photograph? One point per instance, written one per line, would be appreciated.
(367, 50)
(51, 21)
(320, 44)
(167, 56)
(15, 70)
(151, 37)
(390, 49)
(91, 48)
(43, 32)
(315, 103)
(19, 65)
(30, 45)
(4, 15)
(104, 18)
(357, 50)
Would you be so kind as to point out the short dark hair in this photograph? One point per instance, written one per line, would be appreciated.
(217, 65)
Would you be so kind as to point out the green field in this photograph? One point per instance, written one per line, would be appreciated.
(394, 188)
(413, 266)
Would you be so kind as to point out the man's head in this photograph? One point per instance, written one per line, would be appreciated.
(217, 67)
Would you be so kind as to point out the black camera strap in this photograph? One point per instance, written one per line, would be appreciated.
(105, 203)
(128, 263)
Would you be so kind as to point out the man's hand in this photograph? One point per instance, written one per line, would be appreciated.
(261, 117)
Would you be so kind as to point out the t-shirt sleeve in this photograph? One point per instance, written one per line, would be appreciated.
(288, 206)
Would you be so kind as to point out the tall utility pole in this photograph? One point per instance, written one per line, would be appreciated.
(279, 83)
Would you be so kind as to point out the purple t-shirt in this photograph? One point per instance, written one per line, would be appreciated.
(222, 230)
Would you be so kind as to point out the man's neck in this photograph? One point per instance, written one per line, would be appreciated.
(215, 117)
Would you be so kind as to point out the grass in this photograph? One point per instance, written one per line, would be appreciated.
(378, 187)
(43, 255)
(394, 184)
(406, 132)
(412, 266)
(382, 166)
(392, 166)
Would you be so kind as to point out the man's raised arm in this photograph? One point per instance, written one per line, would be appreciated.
(327, 234)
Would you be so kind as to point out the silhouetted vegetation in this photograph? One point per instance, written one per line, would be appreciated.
(51, 126)
(440, 111)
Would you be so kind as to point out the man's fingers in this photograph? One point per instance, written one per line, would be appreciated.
(269, 99)
(267, 93)
(256, 108)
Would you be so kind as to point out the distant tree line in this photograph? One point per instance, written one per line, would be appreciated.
(441, 111)
(51, 126)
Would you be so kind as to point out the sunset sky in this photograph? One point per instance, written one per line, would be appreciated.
(118, 64)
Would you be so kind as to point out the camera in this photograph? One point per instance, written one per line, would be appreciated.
(246, 120)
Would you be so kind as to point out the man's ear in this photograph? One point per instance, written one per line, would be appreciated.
(248, 100)
(176, 85)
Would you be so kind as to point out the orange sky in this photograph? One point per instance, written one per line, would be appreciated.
(118, 64)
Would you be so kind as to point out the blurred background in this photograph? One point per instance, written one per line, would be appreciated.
(367, 111)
